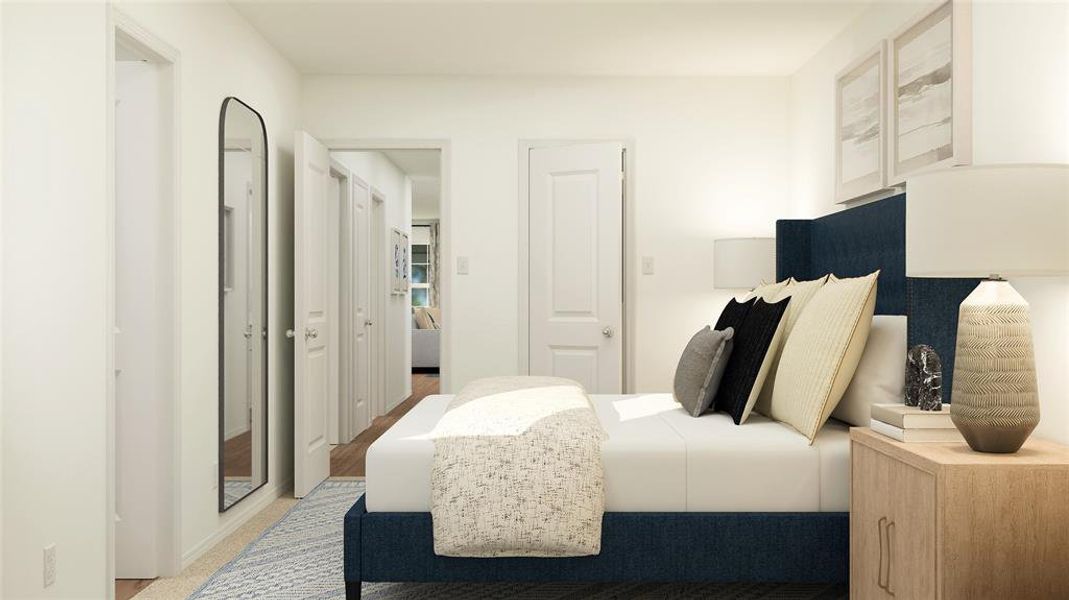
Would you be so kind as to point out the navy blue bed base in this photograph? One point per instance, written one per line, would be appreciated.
(655, 546)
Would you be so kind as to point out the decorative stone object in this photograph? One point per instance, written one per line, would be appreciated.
(924, 378)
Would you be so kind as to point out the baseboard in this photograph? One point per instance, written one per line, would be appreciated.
(241, 515)
(234, 432)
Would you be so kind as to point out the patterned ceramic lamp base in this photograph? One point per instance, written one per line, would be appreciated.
(994, 402)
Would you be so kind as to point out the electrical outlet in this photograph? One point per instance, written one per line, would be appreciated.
(215, 475)
(50, 565)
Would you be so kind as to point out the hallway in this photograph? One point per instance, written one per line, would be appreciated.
(347, 460)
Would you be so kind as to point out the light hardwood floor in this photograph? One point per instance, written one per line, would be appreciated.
(347, 460)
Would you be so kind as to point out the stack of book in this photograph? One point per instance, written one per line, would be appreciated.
(911, 424)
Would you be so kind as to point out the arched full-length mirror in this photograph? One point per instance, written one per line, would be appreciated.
(242, 302)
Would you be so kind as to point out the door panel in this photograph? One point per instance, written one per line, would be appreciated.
(362, 319)
(576, 264)
(312, 326)
(892, 520)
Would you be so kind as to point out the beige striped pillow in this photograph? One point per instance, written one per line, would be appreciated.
(800, 293)
(822, 353)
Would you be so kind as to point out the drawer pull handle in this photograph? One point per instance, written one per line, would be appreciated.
(890, 555)
(883, 579)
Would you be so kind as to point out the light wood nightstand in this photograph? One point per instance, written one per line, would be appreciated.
(942, 521)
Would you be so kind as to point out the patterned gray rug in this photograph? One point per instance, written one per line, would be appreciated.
(300, 557)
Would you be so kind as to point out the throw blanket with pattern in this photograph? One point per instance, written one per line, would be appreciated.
(517, 471)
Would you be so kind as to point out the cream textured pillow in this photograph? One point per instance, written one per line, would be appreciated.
(822, 353)
(800, 293)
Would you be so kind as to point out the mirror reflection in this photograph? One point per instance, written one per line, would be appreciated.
(242, 303)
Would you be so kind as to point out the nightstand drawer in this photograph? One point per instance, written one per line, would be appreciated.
(892, 527)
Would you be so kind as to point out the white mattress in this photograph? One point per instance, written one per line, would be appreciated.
(656, 458)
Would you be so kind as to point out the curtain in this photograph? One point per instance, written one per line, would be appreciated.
(432, 270)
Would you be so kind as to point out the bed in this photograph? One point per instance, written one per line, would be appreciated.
(686, 499)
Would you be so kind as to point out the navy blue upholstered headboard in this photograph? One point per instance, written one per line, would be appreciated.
(860, 240)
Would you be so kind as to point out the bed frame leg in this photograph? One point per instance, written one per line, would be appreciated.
(352, 590)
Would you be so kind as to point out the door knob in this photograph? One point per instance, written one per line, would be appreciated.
(311, 333)
(290, 333)
(607, 332)
(368, 323)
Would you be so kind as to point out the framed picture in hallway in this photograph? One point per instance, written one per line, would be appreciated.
(406, 262)
(398, 257)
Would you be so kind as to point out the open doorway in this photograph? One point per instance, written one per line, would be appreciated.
(353, 295)
(405, 308)
(143, 349)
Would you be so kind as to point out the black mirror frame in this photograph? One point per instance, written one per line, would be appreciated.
(267, 302)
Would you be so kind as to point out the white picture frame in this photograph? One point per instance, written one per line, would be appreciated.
(397, 262)
(406, 263)
(929, 118)
(861, 125)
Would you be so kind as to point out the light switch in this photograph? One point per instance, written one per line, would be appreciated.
(647, 265)
(462, 265)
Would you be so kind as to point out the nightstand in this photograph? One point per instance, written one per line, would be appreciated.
(942, 521)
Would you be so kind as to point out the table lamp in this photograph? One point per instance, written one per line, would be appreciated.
(991, 221)
(743, 263)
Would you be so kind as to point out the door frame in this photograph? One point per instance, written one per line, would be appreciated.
(379, 294)
(445, 224)
(629, 253)
(170, 560)
(339, 286)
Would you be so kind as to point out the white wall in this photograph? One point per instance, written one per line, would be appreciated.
(1020, 115)
(710, 160)
(379, 172)
(55, 275)
(222, 55)
(54, 303)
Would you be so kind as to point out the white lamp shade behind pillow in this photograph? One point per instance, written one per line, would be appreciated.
(743, 263)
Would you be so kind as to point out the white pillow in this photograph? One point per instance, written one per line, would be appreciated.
(822, 353)
(880, 377)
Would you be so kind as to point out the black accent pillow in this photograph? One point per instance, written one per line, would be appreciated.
(756, 339)
(734, 314)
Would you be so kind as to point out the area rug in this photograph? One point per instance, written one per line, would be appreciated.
(300, 557)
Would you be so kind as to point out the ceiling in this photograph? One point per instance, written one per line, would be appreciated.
(415, 163)
(503, 37)
(422, 167)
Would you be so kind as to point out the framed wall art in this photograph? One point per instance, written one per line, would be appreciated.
(397, 253)
(406, 263)
(929, 92)
(860, 123)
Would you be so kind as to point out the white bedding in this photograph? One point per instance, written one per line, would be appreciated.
(657, 458)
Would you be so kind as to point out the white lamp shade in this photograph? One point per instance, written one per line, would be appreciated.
(1010, 220)
(743, 263)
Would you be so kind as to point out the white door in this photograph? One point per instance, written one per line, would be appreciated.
(362, 321)
(379, 296)
(312, 359)
(140, 337)
(576, 264)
